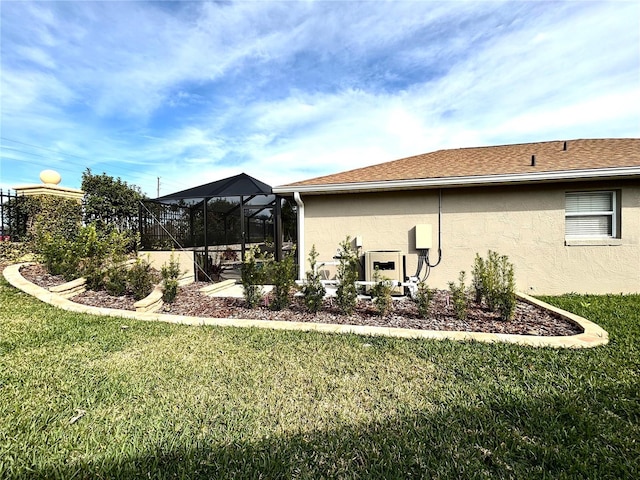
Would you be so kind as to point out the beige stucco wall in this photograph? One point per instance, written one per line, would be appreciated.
(524, 222)
(158, 258)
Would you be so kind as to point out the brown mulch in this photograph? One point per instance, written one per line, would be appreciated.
(529, 319)
(38, 274)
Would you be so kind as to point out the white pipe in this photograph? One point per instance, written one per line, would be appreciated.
(301, 250)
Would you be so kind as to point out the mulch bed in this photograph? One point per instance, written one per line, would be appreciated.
(38, 275)
(529, 319)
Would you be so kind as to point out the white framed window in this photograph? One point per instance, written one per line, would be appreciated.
(591, 214)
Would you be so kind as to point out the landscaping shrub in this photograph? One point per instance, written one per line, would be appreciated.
(141, 279)
(459, 297)
(283, 275)
(91, 251)
(313, 290)
(52, 226)
(494, 281)
(506, 295)
(381, 293)
(423, 298)
(51, 217)
(13, 251)
(347, 293)
(115, 280)
(111, 204)
(478, 279)
(230, 255)
(253, 275)
(57, 257)
(207, 268)
(170, 274)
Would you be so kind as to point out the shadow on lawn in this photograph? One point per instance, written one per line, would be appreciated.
(507, 438)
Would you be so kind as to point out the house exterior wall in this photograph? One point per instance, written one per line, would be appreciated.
(525, 222)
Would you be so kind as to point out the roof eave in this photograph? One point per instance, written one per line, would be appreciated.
(467, 181)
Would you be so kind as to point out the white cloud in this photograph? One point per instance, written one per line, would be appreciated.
(194, 91)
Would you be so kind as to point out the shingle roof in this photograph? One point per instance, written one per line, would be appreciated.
(516, 159)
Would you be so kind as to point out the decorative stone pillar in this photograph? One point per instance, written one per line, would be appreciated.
(50, 186)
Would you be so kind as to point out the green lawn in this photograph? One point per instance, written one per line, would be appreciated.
(167, 401)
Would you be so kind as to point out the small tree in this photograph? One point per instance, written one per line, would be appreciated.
(313, 290)
(381, 293)
(506, 296)
(459, 297)
(284, 280)
(423, 297)
(478, 276)
(111, 204)
(494, 281)
(50, 219)
(170, 274)
(347, 293)
(252, 275)
(141, 279)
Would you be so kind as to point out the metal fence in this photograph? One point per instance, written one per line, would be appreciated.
(13, 217)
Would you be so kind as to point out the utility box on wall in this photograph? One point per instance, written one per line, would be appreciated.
(390, 264)
(423, 237)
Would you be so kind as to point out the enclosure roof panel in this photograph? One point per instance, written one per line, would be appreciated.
(238, 185)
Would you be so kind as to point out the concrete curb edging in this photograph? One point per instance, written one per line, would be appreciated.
(151, 302)
(70, 289)
(592, 336)
(217, 287)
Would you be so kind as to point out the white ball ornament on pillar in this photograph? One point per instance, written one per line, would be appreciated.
(50, 177)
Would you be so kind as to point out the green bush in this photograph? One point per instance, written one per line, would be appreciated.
(283, 275)
(459, 297)
(14, 251)
(494, 281)
(57, 256)
(478, 278)
(506, 295)
(111, 204)
(253, 275)
(348, 267)
(115, 280)
(313, 290)
(170, 274)
(381, 293)
(141, 279)
(52, 226)
(423, 298)
(91, 251)
(50, 217)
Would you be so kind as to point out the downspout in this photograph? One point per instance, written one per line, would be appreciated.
(301, 250)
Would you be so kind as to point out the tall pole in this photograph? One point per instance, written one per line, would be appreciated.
(158, 188)
(206, 238)
(242, 243)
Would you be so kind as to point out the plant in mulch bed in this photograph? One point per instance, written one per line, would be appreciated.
(347, 274)
(141, 279)
(459, 297)
(494, 281)
(381, 293)
(115, 280)
(423, 298)
(283, 276)
(14, 251)
(253, 274)
(313, 291)
(170, 273)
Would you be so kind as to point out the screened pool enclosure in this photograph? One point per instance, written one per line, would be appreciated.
(219, 221)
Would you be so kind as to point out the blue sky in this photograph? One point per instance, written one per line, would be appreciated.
(193, 92)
